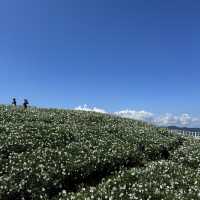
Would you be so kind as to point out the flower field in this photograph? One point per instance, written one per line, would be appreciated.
(66, 154)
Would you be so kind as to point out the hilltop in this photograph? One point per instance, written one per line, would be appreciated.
(66, 154)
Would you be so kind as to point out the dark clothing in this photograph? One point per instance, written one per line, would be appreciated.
(25, 104)
(26, 101)
(14, 102)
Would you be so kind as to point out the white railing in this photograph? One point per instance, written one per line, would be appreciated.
(186, 133)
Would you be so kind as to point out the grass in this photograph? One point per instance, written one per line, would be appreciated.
(66, 154)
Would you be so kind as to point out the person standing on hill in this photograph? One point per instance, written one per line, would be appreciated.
(14, 102)
(25, 104)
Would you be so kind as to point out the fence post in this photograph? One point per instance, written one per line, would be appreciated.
(185, 133)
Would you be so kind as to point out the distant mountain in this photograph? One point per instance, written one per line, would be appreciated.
(184, 128)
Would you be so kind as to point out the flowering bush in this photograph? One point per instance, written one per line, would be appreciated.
(158, 180)
(188, 154)
(59, 154)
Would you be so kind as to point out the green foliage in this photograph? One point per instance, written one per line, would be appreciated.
(158, 180)
(62, 154)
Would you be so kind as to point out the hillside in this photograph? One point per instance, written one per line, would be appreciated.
(66, 154)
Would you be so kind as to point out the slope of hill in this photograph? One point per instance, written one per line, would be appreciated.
(66, 154)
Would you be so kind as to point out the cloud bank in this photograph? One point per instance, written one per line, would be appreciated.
(85, 107)
(183, 120)
(139, 115)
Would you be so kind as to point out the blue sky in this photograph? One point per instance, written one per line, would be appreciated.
(113, 54)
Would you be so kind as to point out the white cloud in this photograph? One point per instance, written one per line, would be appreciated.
(139, 115)
(87, 108)
(181, 120)
(161, 120)
(166, 120)
(185, 119)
